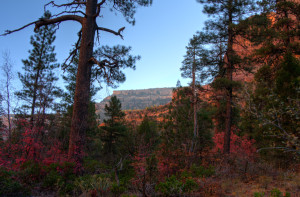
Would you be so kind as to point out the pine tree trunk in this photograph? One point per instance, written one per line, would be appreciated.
(35, 85)
(81, 98)
(229, 70)
(228, 119)
(34, 96)
(195, 99)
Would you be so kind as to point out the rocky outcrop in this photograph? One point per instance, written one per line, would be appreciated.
(138, 99)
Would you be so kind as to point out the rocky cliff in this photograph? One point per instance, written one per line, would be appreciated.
(138, 99)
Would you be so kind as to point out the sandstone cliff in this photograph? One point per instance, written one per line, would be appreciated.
(138, 99)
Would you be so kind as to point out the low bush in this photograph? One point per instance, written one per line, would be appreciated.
(11, 187)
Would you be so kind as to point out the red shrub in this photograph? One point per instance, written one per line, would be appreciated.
(242, 146)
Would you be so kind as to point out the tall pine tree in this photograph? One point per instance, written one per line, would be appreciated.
(86, 13)
(114, 129)
(223, 30)
(194, 67)
(273, 104)
(38, 79)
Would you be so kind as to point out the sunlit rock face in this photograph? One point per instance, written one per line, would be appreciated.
(138, 99)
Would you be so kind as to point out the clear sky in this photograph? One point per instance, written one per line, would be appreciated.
(160, 35)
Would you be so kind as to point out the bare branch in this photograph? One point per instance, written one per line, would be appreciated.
(66, 4)
(70, 12)
(15, 30)
(43, 22)
(113, 32)
(99, 7)
(74, 52)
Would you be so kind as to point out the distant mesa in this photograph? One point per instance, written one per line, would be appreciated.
(137, 99)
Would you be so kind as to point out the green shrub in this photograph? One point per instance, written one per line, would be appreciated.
(201, 171)
(274, 193)
(277, 193)
(30, 172)
(91, 166)
(10, 187)
(189, 186)
(117, 190)
(258, 194)
(171, 187)
(186, 174)
(60, 176)
(51, 179)
(98, 183)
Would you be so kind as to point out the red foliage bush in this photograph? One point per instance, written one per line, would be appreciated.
(29, 147)
(240, 146)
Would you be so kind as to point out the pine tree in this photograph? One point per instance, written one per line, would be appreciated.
(223, 30)
(178, 84)
(85, 13)
(114, 129)
(273, 103)
(275, 32)
(66, 107)
(193, 66)
(179, 121)
(69, 77)
(39, 90)
(149, 133)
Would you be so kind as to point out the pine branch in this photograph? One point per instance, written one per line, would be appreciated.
(43, 22)
(99, 8)
(74, 52)
(66, 4)
(15, 30)
(112, 31)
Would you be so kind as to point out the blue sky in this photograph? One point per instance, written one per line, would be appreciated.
(160, 35)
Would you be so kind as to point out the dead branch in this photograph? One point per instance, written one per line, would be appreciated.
(99, 7)
(112, 31)
(66, 4)
(43, 22)
(74, 52)
(69, 12)
(15, 30)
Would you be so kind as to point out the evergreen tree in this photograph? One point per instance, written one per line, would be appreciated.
(149, 133)
(276, 96)
(193, 66)
(69, 77)
(275, 32)
(178, 84)
(38, 80)
(178, 124)
(114, 130)
(223, 30)
(86, 13)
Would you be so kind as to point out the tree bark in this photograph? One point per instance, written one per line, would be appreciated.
(81, 98)
(194, 97)
(229, 70)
